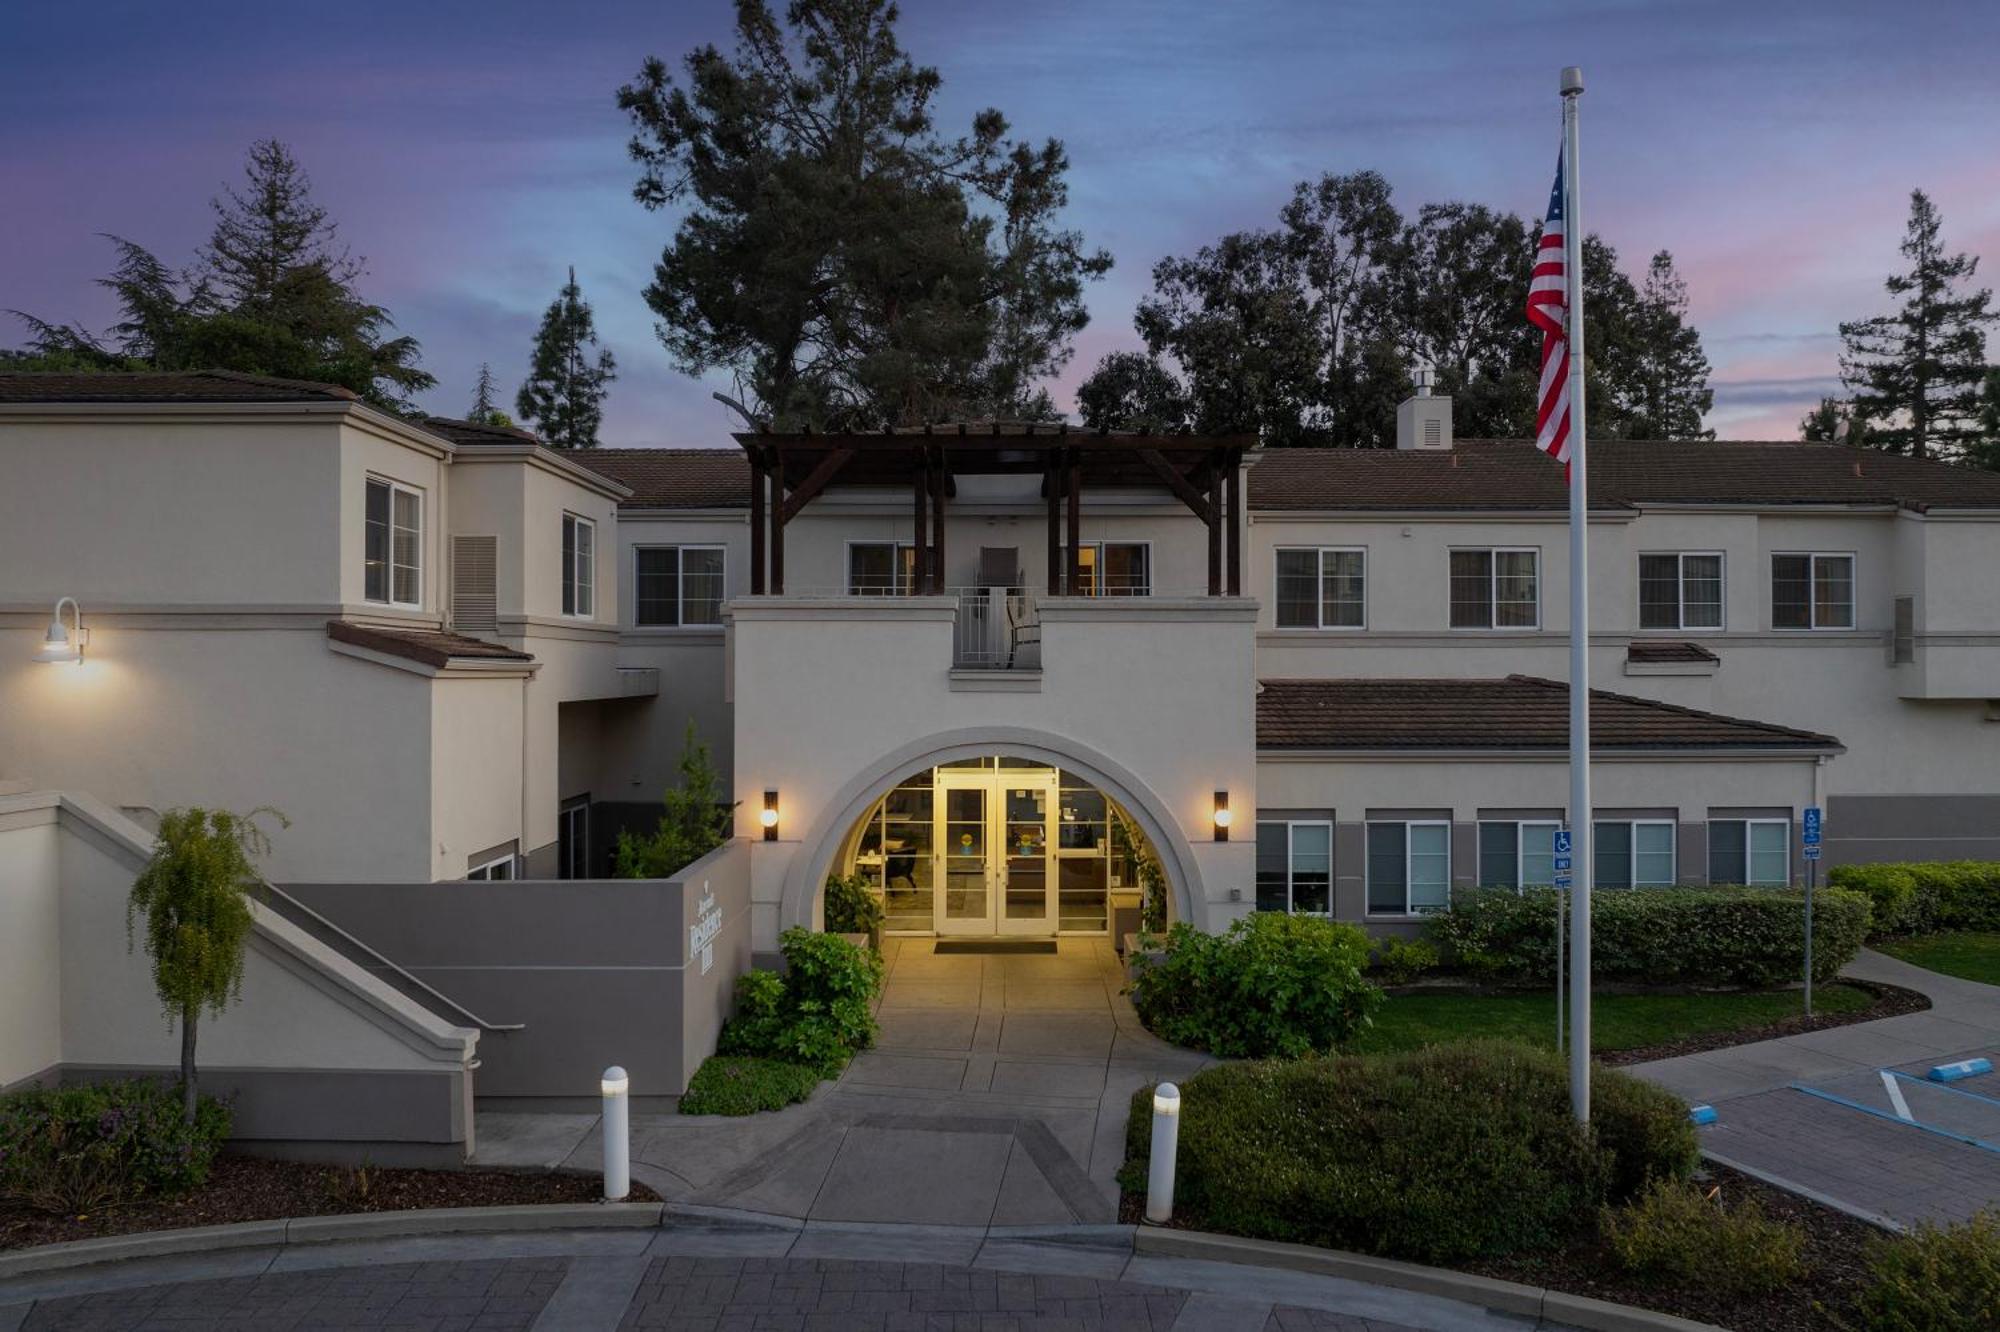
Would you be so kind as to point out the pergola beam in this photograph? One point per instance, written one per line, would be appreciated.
(1170, 476)
(816, 481)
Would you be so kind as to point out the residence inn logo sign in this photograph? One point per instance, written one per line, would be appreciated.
(707, 924)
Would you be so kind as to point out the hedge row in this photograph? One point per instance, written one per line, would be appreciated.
(1920, 897)
(1662, 936)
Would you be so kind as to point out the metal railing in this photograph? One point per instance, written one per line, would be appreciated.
(997, 629)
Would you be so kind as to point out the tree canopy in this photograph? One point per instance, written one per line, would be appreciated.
(271, 293)
(848, 264)
(1306, 332)
(563, 396)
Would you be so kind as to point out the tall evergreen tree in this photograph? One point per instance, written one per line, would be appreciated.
(485, 404)
(269, 230)
(563, 396)
(1917, 373)
(1667, 392)
(1986, 452)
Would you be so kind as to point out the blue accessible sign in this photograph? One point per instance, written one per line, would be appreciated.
(1809, 832)
(1562, 862)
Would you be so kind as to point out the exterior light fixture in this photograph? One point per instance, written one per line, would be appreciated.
(1166, 1144)
(61, 644)
(1222, 816)
(617, 1123)
(769, 816)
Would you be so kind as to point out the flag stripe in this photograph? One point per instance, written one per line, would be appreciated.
(1548, 310)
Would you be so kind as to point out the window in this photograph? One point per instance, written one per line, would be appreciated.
(1295, 867)
(1495, 589)
(1753, 851)
(1681, 591)
(1812, 591)
(499, 867)
(1409, 868)
(1517, 855)
(392, 544)
(573, 838)
(881, 569)
(677, 585)
(579, 575)
(1321, 589)
(1634, 854)
(1114, 569)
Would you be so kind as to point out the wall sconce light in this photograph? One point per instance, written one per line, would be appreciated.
(769, 816)
(1222, 816)
(61, 644)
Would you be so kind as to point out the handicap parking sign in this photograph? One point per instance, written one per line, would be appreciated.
(1562, 870)
(1809, 832)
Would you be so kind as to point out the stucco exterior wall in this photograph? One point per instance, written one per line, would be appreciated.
(30, 944)
(475, 762)
(366, 452)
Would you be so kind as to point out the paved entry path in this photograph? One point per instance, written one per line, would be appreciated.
(1867, 1163)
(997, 1096)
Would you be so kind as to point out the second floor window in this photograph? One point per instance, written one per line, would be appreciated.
(1114, 569)
(1682, 591)
(1495, 589)
(579, 572)
(1812, 591)
(677, 586)
(1638, 853)
(1321, 589)
(881, 569)
(1295, 867)
(392, 545)
(1517, 855)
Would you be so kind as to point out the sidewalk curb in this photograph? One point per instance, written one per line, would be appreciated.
(1486, 1292)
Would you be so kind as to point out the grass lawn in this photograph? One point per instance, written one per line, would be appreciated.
(1964, 953)
(1619, 1021)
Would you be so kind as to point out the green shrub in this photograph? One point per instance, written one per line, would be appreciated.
(1400, 961)
(744, 1085)
(1437, 1155)
(1919, 897)
(1674, 1234)
(850, 907)
(78, 1149)
(1688, 936)
(1935, 1278)
(1272, 985)
(817, 1014)
(1645, 1133)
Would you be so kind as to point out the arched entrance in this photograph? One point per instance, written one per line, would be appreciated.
(993, 786)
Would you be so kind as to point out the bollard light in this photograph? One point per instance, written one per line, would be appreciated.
(1166, 1141)
(617, 1134)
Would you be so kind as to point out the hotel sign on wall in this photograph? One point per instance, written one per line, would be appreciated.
(707, 924)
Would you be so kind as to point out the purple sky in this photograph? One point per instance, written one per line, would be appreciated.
(472, 150)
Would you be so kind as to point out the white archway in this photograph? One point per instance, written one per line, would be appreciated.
(821, 843)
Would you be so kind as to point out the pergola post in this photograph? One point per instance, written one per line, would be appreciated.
(937, 474)
(1052, 486)
(757, 482)
(777, 509)
(1234, 485)
(920, 532)
(1075, 523)
(1215, 524)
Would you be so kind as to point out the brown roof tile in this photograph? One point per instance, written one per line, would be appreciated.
(471, 432)
(675, 478)
(1659, 650)
(1518, 712)
(220, 386)
(1512, 474)
(430, 647)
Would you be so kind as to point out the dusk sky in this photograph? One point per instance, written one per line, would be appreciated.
(472, 150)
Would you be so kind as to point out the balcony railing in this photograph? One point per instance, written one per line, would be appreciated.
(997, 629)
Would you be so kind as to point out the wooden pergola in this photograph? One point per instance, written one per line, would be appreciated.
(789, 471)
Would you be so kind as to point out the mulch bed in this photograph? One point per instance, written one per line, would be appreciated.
(242, 1188)
(1836, 1245)
(1890, 1001)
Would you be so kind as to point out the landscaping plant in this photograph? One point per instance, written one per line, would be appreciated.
(1128, 841)
(1400, 961)
(817, 1014)
(194, 895)
(851, 906)
(1660, 936)
(1922, 897)
(74, 1150)
(1677, 1233)
(693, 823)
(745, 1084)
(1441, 1155)
(1271, 985)
(1935, 1278)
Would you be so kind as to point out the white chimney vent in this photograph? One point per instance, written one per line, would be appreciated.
(1423, 421)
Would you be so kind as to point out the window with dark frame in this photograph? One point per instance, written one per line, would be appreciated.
(1113, 569)
(1321, 588)
(677, 586)
(1680, 591)
(881, 569)
(1495, 589)
(1295, 866)
(1812, 591)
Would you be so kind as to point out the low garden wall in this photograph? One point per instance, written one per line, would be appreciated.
(596, 972)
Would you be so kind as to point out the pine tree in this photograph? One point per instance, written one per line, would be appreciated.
(267, 231)
(564, 394)
(1917, 373)
(1986, 452)
(485, 409)
(1669, 392)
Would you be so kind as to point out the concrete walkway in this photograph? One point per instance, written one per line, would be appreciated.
(703, 1278)
(996, 1096)
(1866, 1163)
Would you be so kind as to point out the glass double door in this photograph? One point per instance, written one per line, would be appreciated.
(995, 851)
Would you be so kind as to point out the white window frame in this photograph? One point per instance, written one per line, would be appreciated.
(1749, 851)
(1097, 567)
(900, 551)
(1520, 857)
(580, 570)
(1680, 624)
(680, 585)
(388, 597)
(1368, 868)
(1632, 850)
(1320, 626)
(1492, 626)
(486, 869)
(1291, 827)
(1813, 557)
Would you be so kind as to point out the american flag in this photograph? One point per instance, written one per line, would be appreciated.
(1548, 309)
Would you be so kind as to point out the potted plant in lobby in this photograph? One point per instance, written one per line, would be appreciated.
(853, 911)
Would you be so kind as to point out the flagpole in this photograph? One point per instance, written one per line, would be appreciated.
(1579, 624)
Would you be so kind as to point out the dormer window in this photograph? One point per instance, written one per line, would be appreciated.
(392, 546)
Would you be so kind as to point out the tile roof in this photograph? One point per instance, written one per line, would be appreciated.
(430, 647)
(1660, 650)
(220, 386)
(675, 478)
(1511, 474)
(1518, 712)
(472, 432)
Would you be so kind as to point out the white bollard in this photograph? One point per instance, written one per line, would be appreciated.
(1166, 1141)
(617, 1134)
